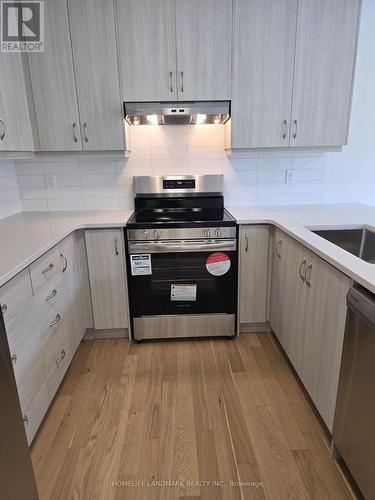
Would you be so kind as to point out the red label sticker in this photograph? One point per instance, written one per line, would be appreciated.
(218, 263)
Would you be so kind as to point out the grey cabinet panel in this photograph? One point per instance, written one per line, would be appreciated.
(204, 31)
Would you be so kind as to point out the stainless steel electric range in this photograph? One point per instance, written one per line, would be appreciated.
(181, 250)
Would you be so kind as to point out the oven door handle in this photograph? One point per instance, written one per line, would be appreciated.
(183, 246)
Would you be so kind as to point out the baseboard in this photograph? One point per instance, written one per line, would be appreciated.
(115, 333)
(255, 327)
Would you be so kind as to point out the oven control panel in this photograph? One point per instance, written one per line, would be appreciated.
(178, 183)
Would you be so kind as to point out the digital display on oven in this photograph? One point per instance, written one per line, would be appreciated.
(179, 184)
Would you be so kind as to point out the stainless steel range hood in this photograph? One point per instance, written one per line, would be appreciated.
(177, 113)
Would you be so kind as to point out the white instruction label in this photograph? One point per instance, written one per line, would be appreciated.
(184, 292)
(140, 264)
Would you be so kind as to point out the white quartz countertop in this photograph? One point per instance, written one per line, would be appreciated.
(26, 236)
(298, 220)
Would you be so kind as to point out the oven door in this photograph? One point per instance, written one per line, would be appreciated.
(182, 277)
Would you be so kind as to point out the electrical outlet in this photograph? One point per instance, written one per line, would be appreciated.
(50, 181)
(289, 177)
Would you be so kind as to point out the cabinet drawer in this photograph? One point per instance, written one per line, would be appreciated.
(57, 357)
(45, 268)
(30, 375)
(15, 293)
(35, 411)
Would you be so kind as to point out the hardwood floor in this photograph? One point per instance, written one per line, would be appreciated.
(194, 413)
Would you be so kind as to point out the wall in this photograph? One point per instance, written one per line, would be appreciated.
(351, 174)
(9, 196)
(107, 184)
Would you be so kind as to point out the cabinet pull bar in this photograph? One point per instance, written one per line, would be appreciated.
(171, 81)
(51, 295)
(308, 275)
(85, 132)
(49, 268)
(25, 418)
(65, 267)
(182, 81)
(75, 138)
(285, 123)
(278, 248)
(14, 359)
(61, 357)
(302, 274)
(4, 308)
(295, 129)
(116, 245)
(56, 320)
(247, 242)
(2, 136)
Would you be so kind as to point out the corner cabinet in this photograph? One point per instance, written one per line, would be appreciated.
(308, 312)
(253, 275)
(75, 81)
(292, 72)
(106, 262)
(174, 49)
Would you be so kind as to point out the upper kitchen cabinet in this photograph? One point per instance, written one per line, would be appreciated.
(292, 72)
(264, 38)
(15, 125)
(147, 49)
(92, 26)
(204, 32)
(324, 68)
(175, 49)
(53, 84)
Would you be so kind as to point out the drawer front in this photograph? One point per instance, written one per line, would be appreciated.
(45, 268)
(29, 377)
(57, 357)
(15, 294)
(35, 411)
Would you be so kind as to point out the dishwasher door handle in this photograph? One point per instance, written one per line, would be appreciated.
(362, 302)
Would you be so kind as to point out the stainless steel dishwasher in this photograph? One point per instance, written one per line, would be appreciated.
(354, 425)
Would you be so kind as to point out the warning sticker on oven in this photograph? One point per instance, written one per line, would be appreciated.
(141, 264)
(184, 292)
(218, 263)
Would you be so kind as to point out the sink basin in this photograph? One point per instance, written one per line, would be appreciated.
(359, 242)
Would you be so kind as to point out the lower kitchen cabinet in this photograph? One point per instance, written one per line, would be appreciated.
(307, 314)
(46, 311)
(106, 262)
(253, 275)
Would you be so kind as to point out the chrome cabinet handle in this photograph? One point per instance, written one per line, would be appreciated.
(75, 138)
(25, 418)
(56, 320)
(247, 242)
(206, 233)
(2, 136)
(65, 267)
(308, 275)
(61, 357)
(51, 295)
(295, 129)
(218, 233)
(278, 248)
(4, 308)
(116, 245)
(285, 123)
(302, 272)
(182, 81)
(47, 269)
(171, 81)
(14, 359)
(85, 132)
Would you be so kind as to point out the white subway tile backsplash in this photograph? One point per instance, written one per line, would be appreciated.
(62, 203)
(31, 193)
(99, 179)
(38, 205)
(29, 168)
(271, 175)
(30, 181)
(68, 180)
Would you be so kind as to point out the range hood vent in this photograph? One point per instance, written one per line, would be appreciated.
(177, 113)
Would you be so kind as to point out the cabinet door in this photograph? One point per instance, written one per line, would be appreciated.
(147, 47)
(92, 25)
(324, 67)
(253, 273)
(323, 335)
(53, 85)
(15, 125)
(106, 262)
(264, 40)
(204, 46)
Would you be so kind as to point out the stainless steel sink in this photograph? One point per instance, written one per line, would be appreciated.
(359, 242)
